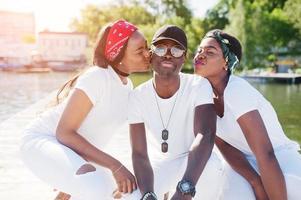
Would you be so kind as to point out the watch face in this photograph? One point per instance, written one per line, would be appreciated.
(185, 186)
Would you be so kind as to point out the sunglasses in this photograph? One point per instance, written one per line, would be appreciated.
(161, 50)
(164, 145)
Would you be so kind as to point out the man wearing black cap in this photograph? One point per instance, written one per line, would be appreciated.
(172, 125)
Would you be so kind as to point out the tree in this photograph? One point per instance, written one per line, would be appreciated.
(93, 18)
(178, 8)
(292, 9)
(218, 16)
(263, 29)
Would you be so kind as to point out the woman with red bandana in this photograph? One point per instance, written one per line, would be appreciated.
(64, 147)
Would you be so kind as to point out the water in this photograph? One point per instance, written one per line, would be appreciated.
(286, 100)
(18, 91)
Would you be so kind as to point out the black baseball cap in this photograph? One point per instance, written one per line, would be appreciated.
(171, 32)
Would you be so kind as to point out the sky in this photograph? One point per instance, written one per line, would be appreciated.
(55, 15)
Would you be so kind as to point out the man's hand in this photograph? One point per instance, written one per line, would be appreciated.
(178, 196)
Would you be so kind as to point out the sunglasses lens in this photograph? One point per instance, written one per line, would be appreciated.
(164, 147)
(160, 50)
(176, 52)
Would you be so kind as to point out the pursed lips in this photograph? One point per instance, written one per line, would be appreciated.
(198, 63)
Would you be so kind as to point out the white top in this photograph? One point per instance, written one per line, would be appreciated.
(109, 97)
(143, 108)
(239, 98)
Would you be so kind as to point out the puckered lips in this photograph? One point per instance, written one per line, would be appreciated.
(199, 63)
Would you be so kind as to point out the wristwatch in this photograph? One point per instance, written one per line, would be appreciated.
(149, 194)
(185, 187)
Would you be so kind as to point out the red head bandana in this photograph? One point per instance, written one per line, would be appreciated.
(119, 33)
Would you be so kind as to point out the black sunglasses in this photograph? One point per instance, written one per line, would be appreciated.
(161, 50)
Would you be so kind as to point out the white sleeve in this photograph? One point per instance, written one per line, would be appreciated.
(135, 108)
(204, 93)
(241, 99)
(92, 83)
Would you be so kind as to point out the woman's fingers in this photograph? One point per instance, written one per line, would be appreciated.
(124, 187)
(129, 186)
(127, 182)
(119, 184)
(134, 185)
(116, 194)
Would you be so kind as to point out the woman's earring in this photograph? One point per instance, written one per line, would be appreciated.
(226, 66)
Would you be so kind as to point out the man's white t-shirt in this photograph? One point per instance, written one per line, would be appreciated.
(108, 115)
(143, 108)
(239, 98)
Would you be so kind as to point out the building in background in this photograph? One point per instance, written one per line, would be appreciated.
(19, 48)
(17, 38)
(63, 50)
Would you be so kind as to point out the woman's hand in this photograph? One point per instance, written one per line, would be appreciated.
(125, 179)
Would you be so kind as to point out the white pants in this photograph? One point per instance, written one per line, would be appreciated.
(168, 173)
(236, 187)
(57, 165)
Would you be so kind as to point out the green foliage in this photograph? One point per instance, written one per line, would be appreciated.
(264, 27)
(298, 71)
(93, 18)
(292, 9)
(217, 17)
(178, 8)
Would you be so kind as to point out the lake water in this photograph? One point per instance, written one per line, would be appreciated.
(18, 91)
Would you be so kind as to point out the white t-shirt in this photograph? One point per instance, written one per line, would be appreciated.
(239, 98)
(108, 115)
(143, 108)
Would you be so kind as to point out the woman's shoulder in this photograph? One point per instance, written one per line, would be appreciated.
(94, 73)
(240, 96)
(194, 81)
(239, 88)
(93, 76)
(95, 70)
(238, 84)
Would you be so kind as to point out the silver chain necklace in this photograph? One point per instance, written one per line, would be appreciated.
(165, 132)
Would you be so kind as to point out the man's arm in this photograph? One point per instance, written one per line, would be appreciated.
(142, 167)
(201, 148)
(200, 151)
(241, 165)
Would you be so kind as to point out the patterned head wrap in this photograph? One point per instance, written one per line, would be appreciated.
(229, 56)
(119, 34)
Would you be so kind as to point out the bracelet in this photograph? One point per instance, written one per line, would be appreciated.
(118, 169)
(148, 194)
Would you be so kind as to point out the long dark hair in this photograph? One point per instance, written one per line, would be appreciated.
(99, 60)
